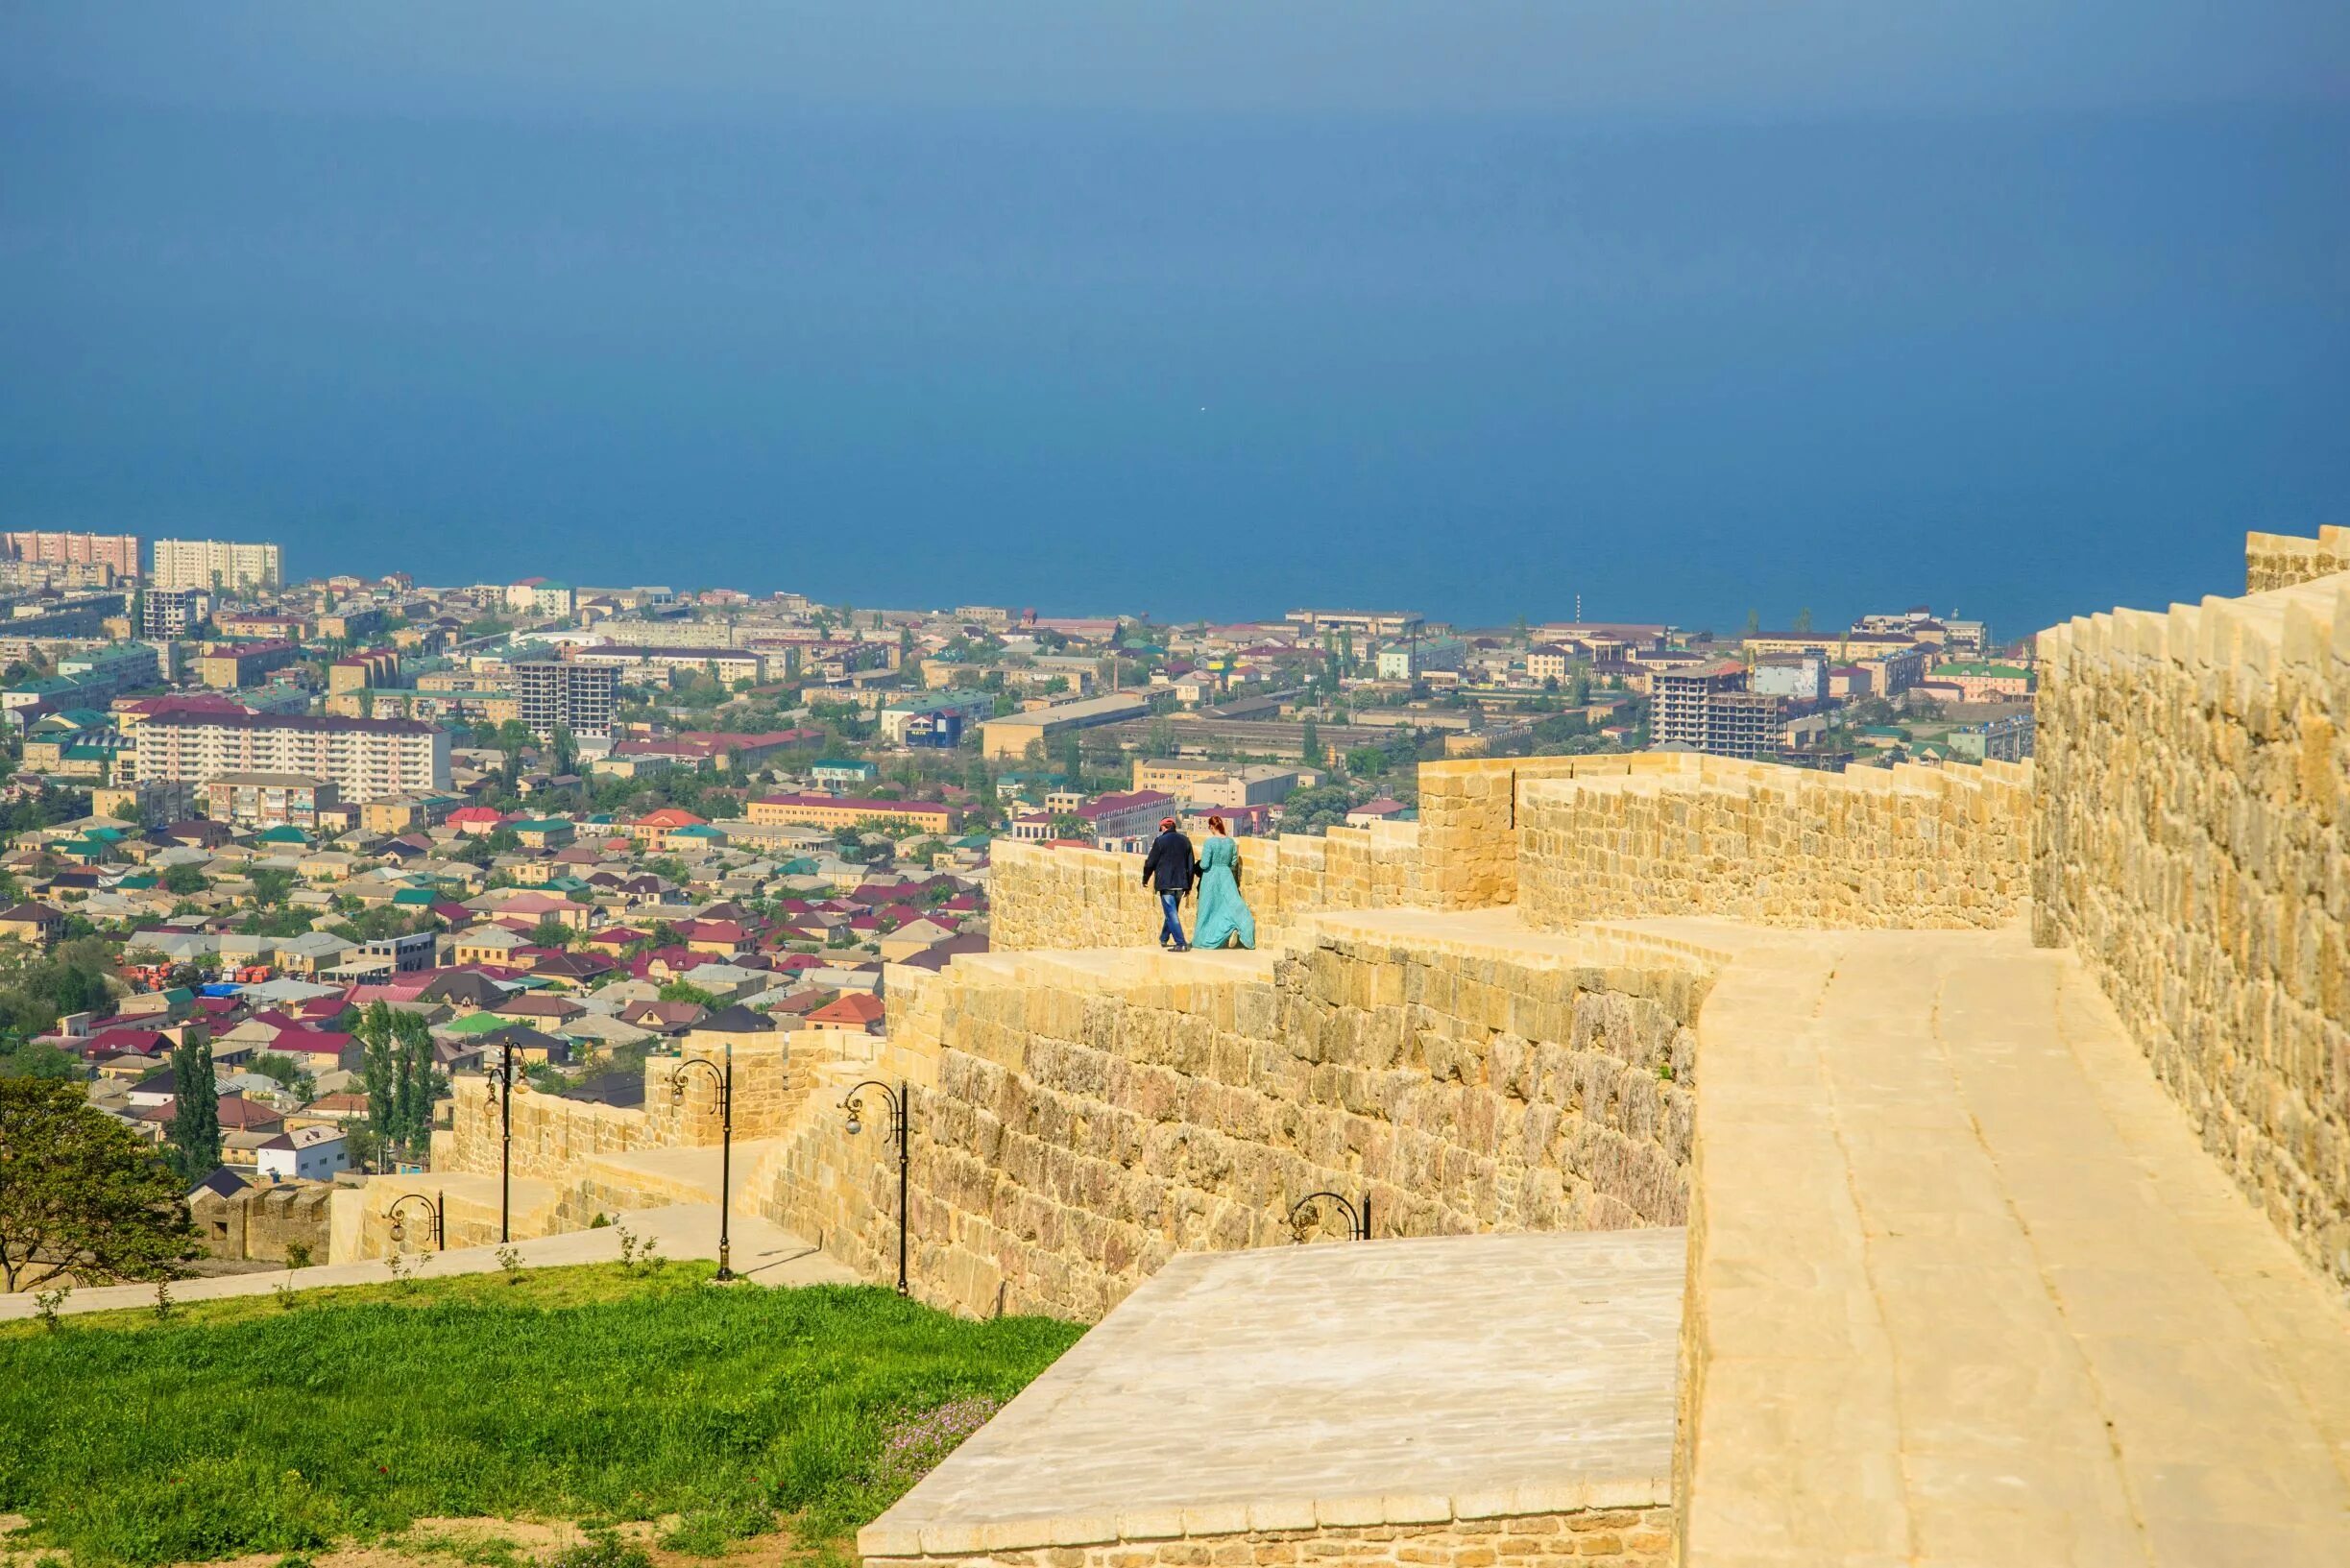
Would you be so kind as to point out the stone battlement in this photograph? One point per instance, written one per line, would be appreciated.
(2282, 560)
(2190, 845)
(1082, 1118)
(1907, 846)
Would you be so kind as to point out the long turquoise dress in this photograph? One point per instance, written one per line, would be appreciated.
(1224, 914)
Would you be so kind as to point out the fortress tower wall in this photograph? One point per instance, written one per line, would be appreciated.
(2192, 843)
(1081, 1120)
(1904, 847)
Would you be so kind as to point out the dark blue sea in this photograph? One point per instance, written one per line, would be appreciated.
(2016, 366)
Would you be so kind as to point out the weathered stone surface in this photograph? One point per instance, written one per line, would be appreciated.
(1931, 846)
(2192, 844)
(1364, 1399)
(1081, 1118)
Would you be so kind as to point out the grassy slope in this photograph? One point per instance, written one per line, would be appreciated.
(244, 1426)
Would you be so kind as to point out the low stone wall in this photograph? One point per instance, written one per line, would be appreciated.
(1461, 854)
(2190, 846)
(2282, 560)
(260, 1222)
(1471, 810)
(554, 1138)
(1630, 1537)
(1046, 897)
(1908, 846)
(1074, 1126)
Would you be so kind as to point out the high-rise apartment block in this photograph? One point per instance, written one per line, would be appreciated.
(169, 614)
(1709, 709)
(118, 553)
(578, 697)
(365, 758)
(218, 564)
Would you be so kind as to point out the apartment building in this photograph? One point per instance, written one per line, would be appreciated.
(1410, 661)
(234, 668)
(223, 566)
(364, 758)
(834, 811)
(1707, 708)
(1358, 622)
(374, 667)
(645, 666)
(102, 674)
(118, 553)
(267, 800)
(169, 614)
(578, 697)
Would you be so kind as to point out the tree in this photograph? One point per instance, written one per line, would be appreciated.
(271, 887)
(72, 979)
(195, 1111)
(184, 879)
(551, 931)
(1309, 740)
(566, 748)
(81, 1195)
(127, 811)
(1311, 810)
(1803, 620)
(288, 1072)
(1753, 622)
(395, 1061)
(37, 1059)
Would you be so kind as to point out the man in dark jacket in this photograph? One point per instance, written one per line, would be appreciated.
(1170, 867)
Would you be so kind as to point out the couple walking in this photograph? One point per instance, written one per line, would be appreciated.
(1173, 868)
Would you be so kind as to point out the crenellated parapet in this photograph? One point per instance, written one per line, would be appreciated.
(2274, 560)
(2192, 844)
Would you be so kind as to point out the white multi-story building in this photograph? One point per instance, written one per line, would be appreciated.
(218, 564)
(365, 758)
(578, 697)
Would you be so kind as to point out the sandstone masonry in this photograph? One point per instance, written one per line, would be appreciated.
(2190, 846)
(1076, 1127)
(1907, 846)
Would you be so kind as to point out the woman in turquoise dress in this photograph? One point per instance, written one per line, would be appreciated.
(1224, 918)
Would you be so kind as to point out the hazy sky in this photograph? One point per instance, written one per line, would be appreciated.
(1195, 308)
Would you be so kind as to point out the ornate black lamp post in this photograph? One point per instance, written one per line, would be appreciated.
(900, 1105)
(504, 1072)
(1357, 1217)
(434, 1216)
(725, 1077)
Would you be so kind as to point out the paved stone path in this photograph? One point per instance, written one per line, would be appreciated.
(761, 1253)
(1343, 1383)
(1970, 1293)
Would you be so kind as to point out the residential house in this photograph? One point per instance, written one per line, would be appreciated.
(312, 1153)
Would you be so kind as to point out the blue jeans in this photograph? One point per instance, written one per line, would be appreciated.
(1171, 928)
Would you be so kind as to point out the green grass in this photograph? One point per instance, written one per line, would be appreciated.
(586, 1393)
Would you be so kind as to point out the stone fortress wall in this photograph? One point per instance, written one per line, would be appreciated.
(573, 1160)
(1462, 853)
(2192, 845)
(1908, 846)
(1077, 1122)
(2282, 560)
(1081, 1115)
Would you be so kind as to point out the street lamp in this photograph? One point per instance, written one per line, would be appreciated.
(900, 1105)
(725, 1078)
(434, 1215)
(1356, 1216)
(504, 1074)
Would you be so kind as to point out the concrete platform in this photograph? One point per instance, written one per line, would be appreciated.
(1967, 1288)
(1345, 1382)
